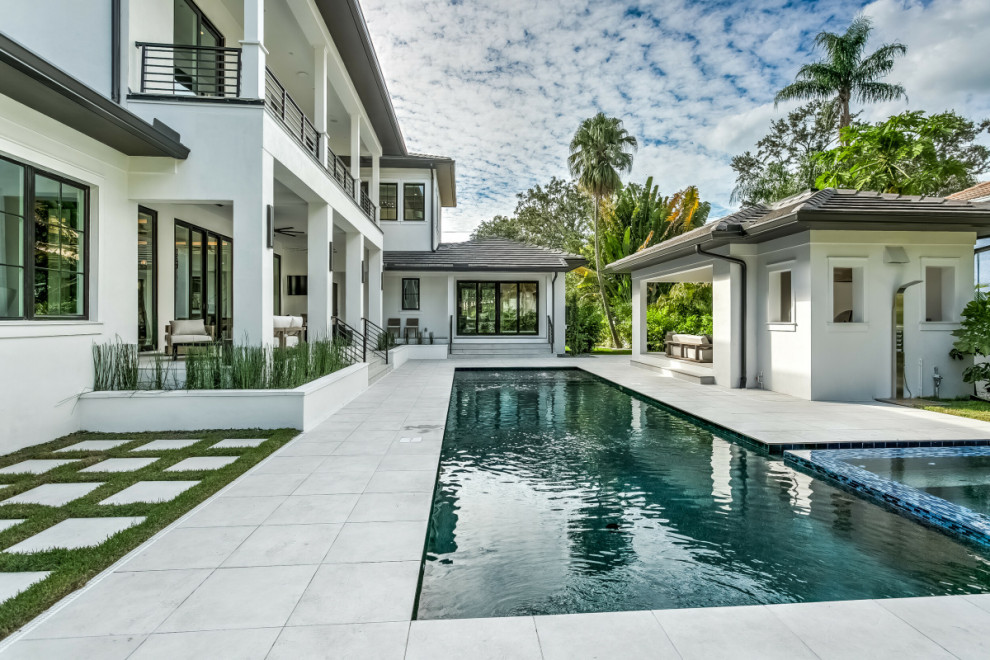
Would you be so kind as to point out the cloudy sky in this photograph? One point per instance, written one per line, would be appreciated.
(501, 85)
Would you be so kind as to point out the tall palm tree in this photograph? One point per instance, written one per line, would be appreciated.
(845, 72)
(600, 149)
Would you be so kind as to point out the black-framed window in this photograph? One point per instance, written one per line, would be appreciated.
(204, 277)
(388, 201)
(497, 308)
(414, 201)
(277, 284)
(43, 263)
(147, 279)
(410, 293)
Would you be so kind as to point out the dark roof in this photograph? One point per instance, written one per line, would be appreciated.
(979, 191)
(39, 84)
(831, 208)
(347, 27)
(486, 254)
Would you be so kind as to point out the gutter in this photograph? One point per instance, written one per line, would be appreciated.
(742, 304)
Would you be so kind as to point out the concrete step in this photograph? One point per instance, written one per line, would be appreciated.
(500, 349)
(680, 374)
(377, 369)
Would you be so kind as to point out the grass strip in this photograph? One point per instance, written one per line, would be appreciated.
(71, 569)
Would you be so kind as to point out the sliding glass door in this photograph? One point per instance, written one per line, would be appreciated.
(204, 277)
(497, 308)
(147, 280)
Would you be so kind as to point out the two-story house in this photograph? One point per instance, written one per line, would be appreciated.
(225, 160)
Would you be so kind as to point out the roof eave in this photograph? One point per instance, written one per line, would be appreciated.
(37, 83)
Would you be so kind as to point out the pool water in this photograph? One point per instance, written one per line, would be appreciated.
(962, 480)
(559, 493)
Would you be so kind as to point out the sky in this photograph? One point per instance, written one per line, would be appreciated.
(501, 85)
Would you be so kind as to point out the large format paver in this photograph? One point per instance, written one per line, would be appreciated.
(201, 463)
(234, 443)
(200, 589)
(165, 445)
(150, 491)
(35, 466)
(12, 584)
(75, 533)
(93, 445)
(53, 494)
(121, 464)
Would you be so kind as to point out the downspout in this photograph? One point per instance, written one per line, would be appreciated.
(742, 308)
(115, 51)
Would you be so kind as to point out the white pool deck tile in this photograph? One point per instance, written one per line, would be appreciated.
(196, 463)
(110, 647)
(75, 533)
(13, 583)
(121, 464)
(237, 443)
(253, 644)
(165, 445)
(93, 445)
(248, 561)
(53, 494)
(35, 466)
(150, 491)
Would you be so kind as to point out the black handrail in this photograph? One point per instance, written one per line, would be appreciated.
(450, 337)
(352, 342)
(284, 108)
(193, 71)
(379, 337)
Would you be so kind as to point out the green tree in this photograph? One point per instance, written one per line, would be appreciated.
(554, 216)
(973, 338)
(909, 153)
(784, 161)
(600, 149)
(845, 73)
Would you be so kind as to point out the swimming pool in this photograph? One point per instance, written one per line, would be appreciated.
(560, 493)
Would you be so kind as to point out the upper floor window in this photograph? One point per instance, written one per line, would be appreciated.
(414, 201)
(42, 263)
(190, 26)
(388, 201)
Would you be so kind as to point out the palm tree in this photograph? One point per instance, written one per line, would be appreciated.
(845, 72)
(600, 149)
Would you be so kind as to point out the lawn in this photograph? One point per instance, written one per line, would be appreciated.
(962, 408)
(71, 569)
(604, 350)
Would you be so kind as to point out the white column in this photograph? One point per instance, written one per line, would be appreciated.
(319, 278)
(639, 304)
(356, 152)
(320, 98)
(253, 259)
(726, 344)
(374, 311)
(354, 298)
(559, 314)
(253, 50)
(376, 178)
(451, 328)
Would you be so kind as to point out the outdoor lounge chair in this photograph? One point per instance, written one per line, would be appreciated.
(185, 333)
(288, 330)
(412, 325)
(394, 328)
(696, 348)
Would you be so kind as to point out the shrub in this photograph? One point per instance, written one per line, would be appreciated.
(686, 309)
(585, 324)
(115, 366)
(973, 339)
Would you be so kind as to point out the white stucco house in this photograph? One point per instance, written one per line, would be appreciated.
(224, 160)
(805, 291)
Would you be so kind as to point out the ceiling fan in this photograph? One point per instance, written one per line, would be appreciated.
(289, 231)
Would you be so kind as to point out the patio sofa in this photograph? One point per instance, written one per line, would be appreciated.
(696, 348)
(186, 333)
(289, 330)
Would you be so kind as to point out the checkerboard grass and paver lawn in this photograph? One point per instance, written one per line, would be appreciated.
(106, 493)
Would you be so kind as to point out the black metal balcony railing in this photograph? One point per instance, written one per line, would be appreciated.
(287, 111)
(196, 71)
(368, 207)
(339, 171)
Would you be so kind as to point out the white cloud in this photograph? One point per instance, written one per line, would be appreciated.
(501, 85)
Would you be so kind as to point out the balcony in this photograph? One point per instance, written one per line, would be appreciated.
(282, 107)
(190, 71)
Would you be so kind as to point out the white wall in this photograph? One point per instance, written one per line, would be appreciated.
(852, 361)
(433, 312)
(78, 42)
(410, 235)
(44, 365)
